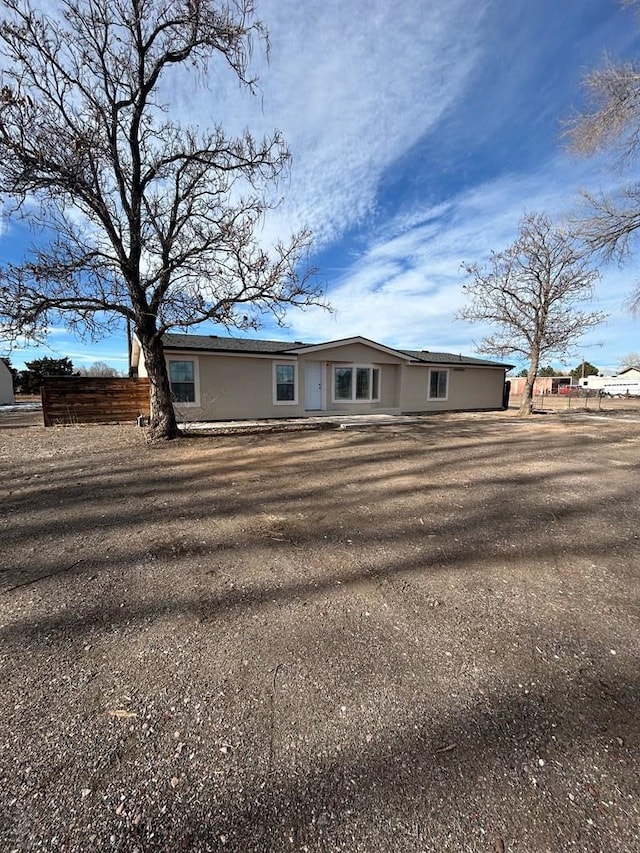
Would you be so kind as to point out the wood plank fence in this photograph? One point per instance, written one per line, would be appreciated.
(93, 399)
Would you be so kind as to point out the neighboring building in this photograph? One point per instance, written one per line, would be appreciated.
(629, 373)
(625, 383)
(6, 385)
(219, 378)
(542, 384)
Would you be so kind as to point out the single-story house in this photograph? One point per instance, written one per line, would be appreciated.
(630, 372)
(225, 378)
(6, 385)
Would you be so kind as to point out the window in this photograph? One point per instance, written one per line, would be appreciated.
(343, 383)
(284, 382)
(375, 384)
(363, 383)
(182, 378)
(356, 383)
(438, 384)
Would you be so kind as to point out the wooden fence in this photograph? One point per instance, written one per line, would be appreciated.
(93, 399)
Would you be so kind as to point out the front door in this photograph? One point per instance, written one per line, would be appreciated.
(313, 386)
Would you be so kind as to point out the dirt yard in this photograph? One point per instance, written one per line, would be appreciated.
(416, 637)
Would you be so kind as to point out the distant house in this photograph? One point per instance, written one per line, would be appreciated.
(223, 378)
(629, 373)
(6, 385)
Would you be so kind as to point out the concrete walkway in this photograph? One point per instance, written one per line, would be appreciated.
(331, 422)
(311, 423)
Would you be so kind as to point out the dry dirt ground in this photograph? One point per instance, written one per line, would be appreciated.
(418, 637)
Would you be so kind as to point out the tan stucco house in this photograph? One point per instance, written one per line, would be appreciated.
(224, 378)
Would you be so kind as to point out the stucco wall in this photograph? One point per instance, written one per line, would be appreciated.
(234, 387)
(389, 384)
(6, 385)
(356, 353)
(242, 387)
(389, 392)
(469, 388)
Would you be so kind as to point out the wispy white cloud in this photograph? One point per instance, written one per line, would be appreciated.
(373, 80)
(406, 287)
(352, 86)
(82, 357)
(357, 88)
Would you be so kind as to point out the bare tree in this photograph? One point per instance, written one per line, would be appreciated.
(150, 221)
(630, 359)
(532, 293)
(98, 368)
(611, 123)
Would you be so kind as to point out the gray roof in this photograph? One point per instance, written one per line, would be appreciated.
(451, 358)
(216, 343)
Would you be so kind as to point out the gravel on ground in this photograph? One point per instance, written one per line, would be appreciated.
(413, 637)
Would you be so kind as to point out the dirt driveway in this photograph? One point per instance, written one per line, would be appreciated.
(417, 637)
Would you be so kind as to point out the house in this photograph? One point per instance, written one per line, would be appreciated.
(224, 378)
(6, 385)
(630, 372)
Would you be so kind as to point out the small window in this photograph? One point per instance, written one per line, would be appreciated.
(375, 384)
(438, 384)
(284, 379)
(182, 381)
(356, 384)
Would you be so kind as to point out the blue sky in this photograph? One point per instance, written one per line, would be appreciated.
(420, 133)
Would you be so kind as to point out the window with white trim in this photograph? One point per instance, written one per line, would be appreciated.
(285, 384)
(182, 379)
(356, 383)
(438, 384)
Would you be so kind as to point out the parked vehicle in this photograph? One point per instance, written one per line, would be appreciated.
(612, 386)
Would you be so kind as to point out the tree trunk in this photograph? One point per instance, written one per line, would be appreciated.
(526, 404)
(163, 417)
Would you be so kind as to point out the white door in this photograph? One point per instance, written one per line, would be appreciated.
(313, 385)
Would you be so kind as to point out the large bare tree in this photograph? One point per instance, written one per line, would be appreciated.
(610, 124)
(628, 360)
(147, 220)
(533, 294)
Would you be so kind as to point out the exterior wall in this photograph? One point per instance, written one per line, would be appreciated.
(389, 402)
(239, 386)
(357, 353)
(389, 368)
(468, 388)
(630, 373)
(236, 388)
(6, 385)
